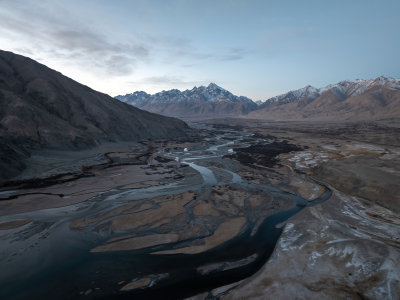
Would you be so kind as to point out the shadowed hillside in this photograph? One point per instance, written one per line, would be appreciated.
(41, 108)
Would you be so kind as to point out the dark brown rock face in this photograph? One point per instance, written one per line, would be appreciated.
(41, 108)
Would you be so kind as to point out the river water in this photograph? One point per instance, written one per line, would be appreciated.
(60, 264)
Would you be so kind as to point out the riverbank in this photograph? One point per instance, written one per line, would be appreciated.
(189, 218)
(347, 246)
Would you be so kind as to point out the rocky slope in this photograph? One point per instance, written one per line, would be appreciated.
(41, 108)
(347, 100)
(339, 249)
(210, 101)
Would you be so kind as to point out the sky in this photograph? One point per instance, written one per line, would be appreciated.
(257, 49)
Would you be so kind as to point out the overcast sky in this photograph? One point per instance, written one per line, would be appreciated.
(253, 48)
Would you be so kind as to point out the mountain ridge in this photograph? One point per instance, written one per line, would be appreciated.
(359, 99)
(212, 100)
(345, 87)
(41, 108)
(342, 100)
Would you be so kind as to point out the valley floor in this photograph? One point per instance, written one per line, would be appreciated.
(239, 211)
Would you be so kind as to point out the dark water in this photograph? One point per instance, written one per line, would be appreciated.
(70, 267)
(77, 270)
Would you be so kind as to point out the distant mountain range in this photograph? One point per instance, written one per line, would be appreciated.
(41, 108)
(347, 100)
(199, 102)
(359, 99)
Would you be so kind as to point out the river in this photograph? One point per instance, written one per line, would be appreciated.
(62, 263)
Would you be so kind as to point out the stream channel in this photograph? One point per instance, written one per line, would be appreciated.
(60, 265)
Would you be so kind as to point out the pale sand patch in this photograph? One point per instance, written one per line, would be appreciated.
(257, 200)
(224, 232)
(306, 160)
(192, 230)
(78, 190)
(29, 203)
(220, 193)
(227, 208)
(228, 265)
(123, 237)
(363, 150)
(122, 155)
(13, 224)
(160, 222)
(219, 291)
(140, 283)
(143, 184)
(138, 242)
(307, 190)
(127, 208)
(239, 197)
(204, 208)
(145, 282)
(143, 207)
(256, 226)
(168, 209)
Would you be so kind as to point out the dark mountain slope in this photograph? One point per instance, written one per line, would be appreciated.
(41, 108)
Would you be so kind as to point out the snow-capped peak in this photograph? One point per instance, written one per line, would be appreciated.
(346, 88)
(359, 86)
(306, 92)
(213, 86)
(259, 102)
(210, 93)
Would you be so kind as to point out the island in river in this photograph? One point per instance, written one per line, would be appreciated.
(237, 211)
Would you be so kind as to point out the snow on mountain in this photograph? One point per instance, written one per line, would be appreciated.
(343, 98)
(203, 100)
(211, 93)
(359, 86)
(308, 91)
(377, 98)
(139, 97)
(259, 102)
(344, 88)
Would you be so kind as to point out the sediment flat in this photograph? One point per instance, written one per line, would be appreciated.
(153, 210)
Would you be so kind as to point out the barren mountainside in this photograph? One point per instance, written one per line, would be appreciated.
(377, 98)
(41, 108)
(210, 101)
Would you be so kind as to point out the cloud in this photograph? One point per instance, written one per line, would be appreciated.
(41, 36)
(168, 80)
(94, 49)
(48, 30)
(179, 48)
(189, 53)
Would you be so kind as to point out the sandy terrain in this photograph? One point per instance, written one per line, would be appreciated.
(343, 250)
(189, 199)
(212, 219)
(13, 224)
(82, 189)
(223, 233)
(348, 246)
(138, 242)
